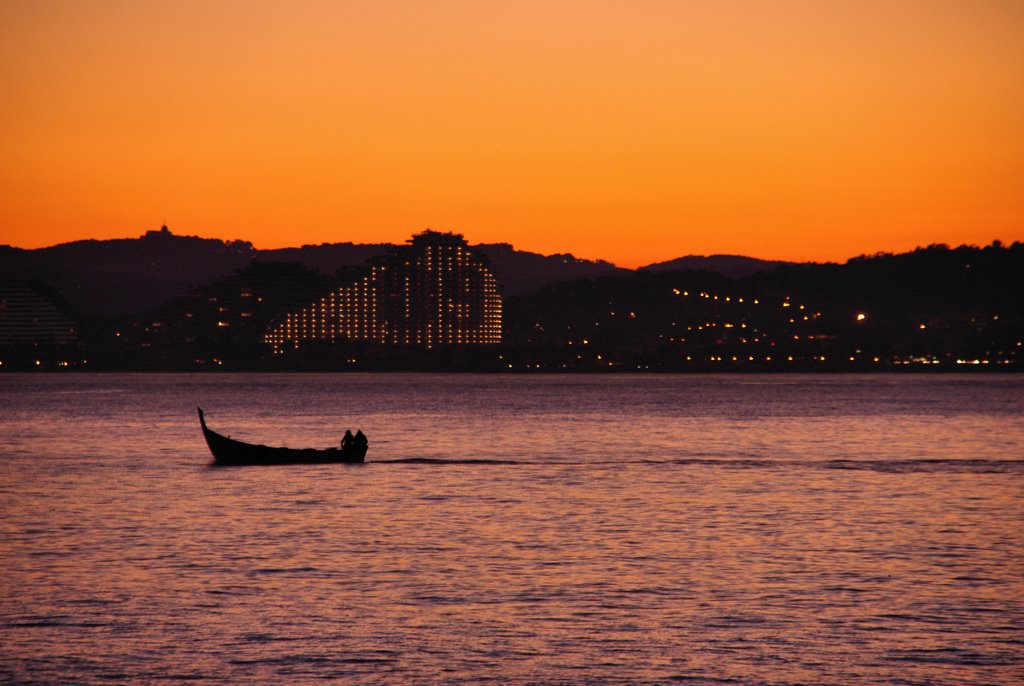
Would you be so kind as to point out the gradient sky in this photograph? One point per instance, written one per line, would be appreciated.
(632, 131)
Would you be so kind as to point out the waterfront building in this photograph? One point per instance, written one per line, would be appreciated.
(434, 291)
(31, 314)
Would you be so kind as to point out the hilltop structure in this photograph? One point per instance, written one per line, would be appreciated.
(434, 291)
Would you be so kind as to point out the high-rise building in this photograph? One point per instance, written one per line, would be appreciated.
(434, 291)
(31, 314)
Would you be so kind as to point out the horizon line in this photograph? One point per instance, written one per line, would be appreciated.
(995, 242)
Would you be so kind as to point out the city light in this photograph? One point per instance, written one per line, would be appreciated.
(436, 292)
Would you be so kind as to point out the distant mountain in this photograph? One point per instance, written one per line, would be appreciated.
(126, 276)
(733, 266)
(115, 278)
(520, 272)
(326, 257)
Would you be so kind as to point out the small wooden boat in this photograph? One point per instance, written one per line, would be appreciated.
(227, 451)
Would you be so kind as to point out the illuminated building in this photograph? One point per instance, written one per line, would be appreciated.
(32, 314)
(434, 291)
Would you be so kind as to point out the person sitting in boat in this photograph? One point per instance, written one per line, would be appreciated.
(360, 439)
(346, 442)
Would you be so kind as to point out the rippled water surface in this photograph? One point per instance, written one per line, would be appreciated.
(515, 529)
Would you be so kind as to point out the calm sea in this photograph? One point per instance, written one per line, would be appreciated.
(515, 530)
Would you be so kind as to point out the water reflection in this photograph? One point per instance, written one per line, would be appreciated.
(493, 547)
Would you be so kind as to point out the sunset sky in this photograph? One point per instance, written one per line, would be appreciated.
(632, 131)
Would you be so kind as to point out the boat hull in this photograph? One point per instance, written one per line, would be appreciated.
(229, 452)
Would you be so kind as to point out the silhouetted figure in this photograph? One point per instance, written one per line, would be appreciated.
(346, 442)
(360, 440)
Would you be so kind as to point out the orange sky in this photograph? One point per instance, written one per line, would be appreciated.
(633, 131)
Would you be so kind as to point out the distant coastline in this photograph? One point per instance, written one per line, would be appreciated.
(168, 303)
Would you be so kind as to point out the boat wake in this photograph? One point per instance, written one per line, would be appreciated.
(885, 466)
(438, 460)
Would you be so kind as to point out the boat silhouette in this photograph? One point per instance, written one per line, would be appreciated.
(227, 451)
